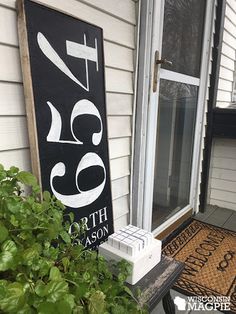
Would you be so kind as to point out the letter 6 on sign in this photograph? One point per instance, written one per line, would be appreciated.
(83, 198)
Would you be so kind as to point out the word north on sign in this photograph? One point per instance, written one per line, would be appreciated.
(63, 74)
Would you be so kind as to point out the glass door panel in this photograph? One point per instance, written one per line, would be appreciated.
(174, 146)
(182, 35)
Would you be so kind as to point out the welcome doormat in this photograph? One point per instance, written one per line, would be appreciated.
(209, 254)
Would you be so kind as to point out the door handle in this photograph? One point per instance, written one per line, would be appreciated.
(164, 61)
(158, 61)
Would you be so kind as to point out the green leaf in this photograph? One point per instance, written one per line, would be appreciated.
(3, 287)
(60, 205)
(65, 263)
(37, 207)
(12, 171)
(45, 266)
(96, 303)
(118, 309)
(80, 310)
(2, 175)
(55, 274)
(14, 298)
(30, 255)
(14, 221)
(40, 288)
(86, 276)
(9, 246)
(46, 196)
(56, 290)
(36, 189)
(121, 277)
(25, 310)
(70, 299)
(81, 290)
(65, 237)
(3, 233)
(6, 260)
(13, 205)
(45, 206)
(127, 290)
(27, 178)
(47, 308)
(63, 307)
(71, 215)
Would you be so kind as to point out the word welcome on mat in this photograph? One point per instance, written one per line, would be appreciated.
(209, 254)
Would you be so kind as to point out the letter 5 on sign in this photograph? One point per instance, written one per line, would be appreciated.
(63, 74)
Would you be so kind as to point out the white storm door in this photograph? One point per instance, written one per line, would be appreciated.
(181, 31)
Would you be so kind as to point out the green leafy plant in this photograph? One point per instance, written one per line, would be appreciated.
(41, 268)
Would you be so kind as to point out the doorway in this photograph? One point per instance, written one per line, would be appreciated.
(179, 45)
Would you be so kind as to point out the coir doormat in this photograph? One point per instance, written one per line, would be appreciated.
(209, 254)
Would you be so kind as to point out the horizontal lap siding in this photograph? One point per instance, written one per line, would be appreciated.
(8, 3)
(224, 94)
(222, 189)
(117, 18)
(222, 181)
(17, 157)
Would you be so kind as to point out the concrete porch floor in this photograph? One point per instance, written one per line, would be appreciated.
(220, 217)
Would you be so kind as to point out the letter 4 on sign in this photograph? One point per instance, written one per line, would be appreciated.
(63, 73)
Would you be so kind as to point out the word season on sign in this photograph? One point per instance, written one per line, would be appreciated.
(67, 99)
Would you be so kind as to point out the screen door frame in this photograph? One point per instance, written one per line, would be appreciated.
(145, 220)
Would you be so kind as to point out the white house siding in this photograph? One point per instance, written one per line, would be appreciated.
(117, 18)
(222, 181)
(222, 187)
(225, 85)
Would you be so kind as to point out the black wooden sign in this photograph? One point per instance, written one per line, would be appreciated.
(63, 73)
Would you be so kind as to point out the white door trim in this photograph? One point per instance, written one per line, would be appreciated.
(171, 220)
(178, 77)
(139, 128)
(158, 12)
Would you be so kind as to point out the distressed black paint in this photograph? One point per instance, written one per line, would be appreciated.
(51, 85)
